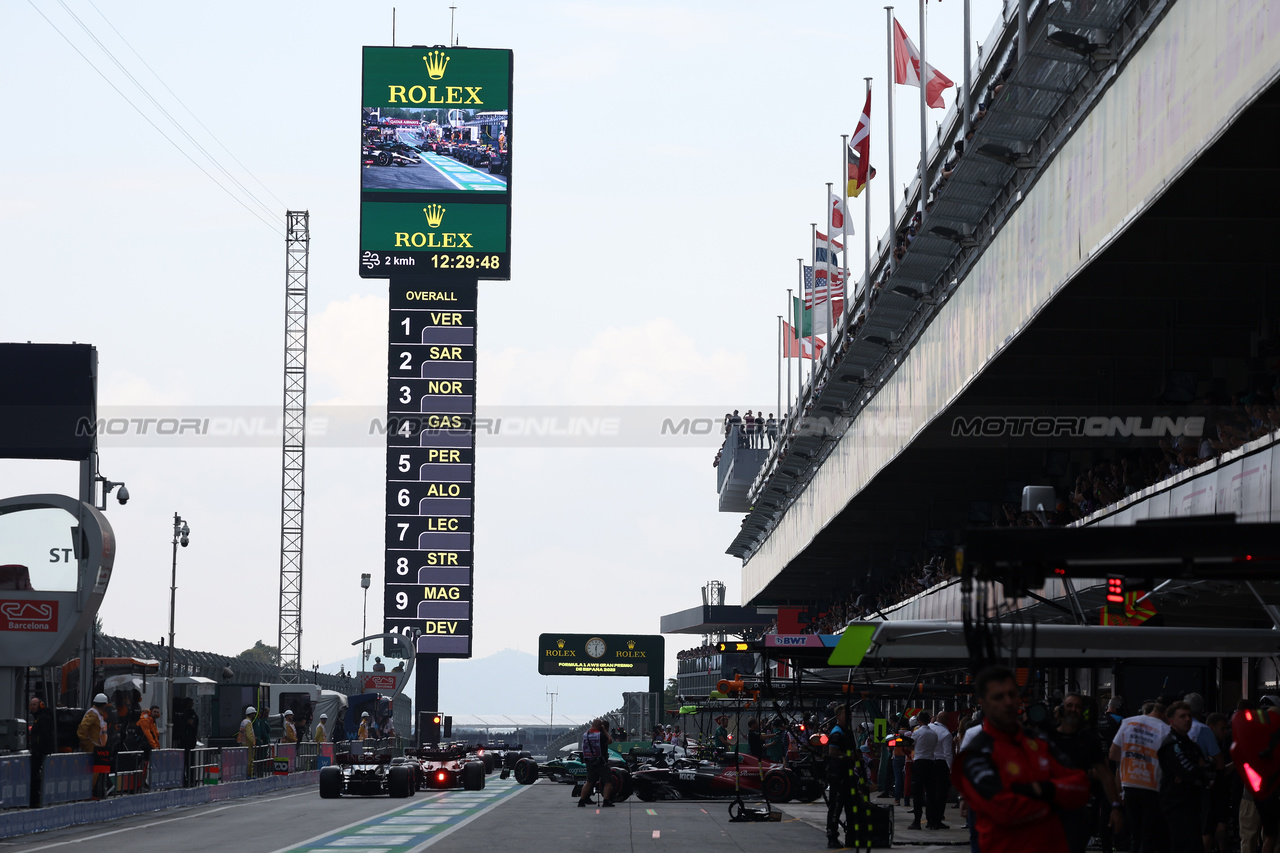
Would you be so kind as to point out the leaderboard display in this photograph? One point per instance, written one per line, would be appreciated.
(435, 162)
(431, 370)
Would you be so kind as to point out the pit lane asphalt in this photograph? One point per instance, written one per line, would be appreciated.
(436, 173)
(507, 816)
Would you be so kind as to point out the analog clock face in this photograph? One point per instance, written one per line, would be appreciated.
(595, 647)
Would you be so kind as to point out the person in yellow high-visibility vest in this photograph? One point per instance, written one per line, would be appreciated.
(320, 733)
(246, 737)
(92, 733)
(363, 733)
(290, 730)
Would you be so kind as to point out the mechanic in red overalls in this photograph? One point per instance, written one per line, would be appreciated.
(1011, 779)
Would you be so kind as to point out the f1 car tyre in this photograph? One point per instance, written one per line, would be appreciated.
(622, 785)
(330, 783)
(398, 782)
(645, 793)
(487, 758)
(504, 774)
(384, 158)
(473, 775)
(777, 786)
(526, 771)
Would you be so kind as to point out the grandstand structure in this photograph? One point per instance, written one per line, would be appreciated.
(1085, 264)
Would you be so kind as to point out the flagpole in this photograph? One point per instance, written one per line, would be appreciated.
(924, 115)
(968, 81)
(889, 98)
(791, 308)
(797, 314)
(844, 224)
(831, 303)
(866, 228)
(813, 310)
(779, 409)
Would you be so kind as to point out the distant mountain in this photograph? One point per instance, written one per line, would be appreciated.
(508, 683)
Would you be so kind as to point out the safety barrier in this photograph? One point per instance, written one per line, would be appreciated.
(286, 757)
(235, 764)
(263, 761)
(128, 773)
(166, 769)
(204, 767)
(15, 781)
(68, 777)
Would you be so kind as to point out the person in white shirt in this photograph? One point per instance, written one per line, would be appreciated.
(923, 773)
(1134, 749)
(942, 756)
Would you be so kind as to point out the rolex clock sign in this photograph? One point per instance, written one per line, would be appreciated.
(600, 654)
(435, 162)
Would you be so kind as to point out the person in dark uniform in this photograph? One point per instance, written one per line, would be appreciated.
(847, 791)
(41, 742)
(595, 755)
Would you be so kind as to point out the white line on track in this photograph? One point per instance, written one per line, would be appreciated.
(336, 830)
(160, 822)
(517, 792)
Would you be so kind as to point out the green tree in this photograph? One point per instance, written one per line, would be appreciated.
(669, 700)
(261, 653)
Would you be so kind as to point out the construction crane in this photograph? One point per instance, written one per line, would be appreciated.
(293, 464)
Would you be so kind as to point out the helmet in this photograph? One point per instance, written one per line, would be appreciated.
(100, 699)
(324, 716)
(288, 713)
(364, 714)
(251, 710)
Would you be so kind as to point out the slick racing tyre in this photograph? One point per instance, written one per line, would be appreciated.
(777, 786)
(330, 783)
(622, 786)
(473, 775)
(526, 771)
(398, 782)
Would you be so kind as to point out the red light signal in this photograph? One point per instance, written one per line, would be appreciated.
(1115, 590)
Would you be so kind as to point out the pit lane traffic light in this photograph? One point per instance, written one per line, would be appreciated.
(430, 724)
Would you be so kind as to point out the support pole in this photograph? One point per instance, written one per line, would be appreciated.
(968, 75)
(924, 117)
(889, 98)
(780, 345)
(790, 313)
(866, 206)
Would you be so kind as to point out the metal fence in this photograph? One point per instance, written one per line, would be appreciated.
(204, 767)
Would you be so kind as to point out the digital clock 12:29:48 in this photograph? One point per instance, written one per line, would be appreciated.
(465, 262)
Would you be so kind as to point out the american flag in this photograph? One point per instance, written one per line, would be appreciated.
(820, 275)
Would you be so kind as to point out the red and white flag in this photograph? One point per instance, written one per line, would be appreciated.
(906, 69)
(836, 215)
(794, 347)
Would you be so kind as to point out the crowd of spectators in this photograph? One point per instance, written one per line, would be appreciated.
(693, 654)
(755, 431)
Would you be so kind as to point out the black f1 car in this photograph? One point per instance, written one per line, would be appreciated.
(691, 779)
(368, 773)
(389, 154)
(449, 767)
(572, 770)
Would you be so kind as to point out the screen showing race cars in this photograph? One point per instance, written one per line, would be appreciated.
(435, 161)
(599, 654)
(431, 370)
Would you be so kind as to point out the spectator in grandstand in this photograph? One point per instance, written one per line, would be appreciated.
(771, 429)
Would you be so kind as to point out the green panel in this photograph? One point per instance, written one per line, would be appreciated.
(853, 646)
(387, 226)
(473, 78)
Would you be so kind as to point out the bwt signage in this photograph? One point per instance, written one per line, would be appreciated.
(435, 162)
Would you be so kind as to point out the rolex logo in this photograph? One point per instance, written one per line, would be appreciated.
(435, 214)
(559, 644)
(437, 62)
(631, 644)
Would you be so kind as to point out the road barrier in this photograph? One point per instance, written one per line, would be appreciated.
(235, 764)
(166, 769)
(68, 777)
(15, 781)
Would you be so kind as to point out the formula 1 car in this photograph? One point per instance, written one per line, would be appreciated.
(454, 766)
(506, 755)
(389, 154)
(571, 771)
(688, 779)
(368, 773)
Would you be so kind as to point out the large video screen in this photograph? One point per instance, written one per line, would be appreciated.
(435, 161)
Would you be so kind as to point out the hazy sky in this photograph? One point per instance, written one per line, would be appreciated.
(670, 159)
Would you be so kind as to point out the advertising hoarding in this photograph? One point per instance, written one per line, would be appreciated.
(600, 654)
(435, 161)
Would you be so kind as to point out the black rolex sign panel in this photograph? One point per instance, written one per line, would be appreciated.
(599, 654)
(431, 370)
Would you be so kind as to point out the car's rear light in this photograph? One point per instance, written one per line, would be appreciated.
(440, 776)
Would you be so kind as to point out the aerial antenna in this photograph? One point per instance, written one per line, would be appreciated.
(452, 41)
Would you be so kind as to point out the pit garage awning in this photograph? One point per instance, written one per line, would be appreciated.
(717, 619)
(928, 640)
